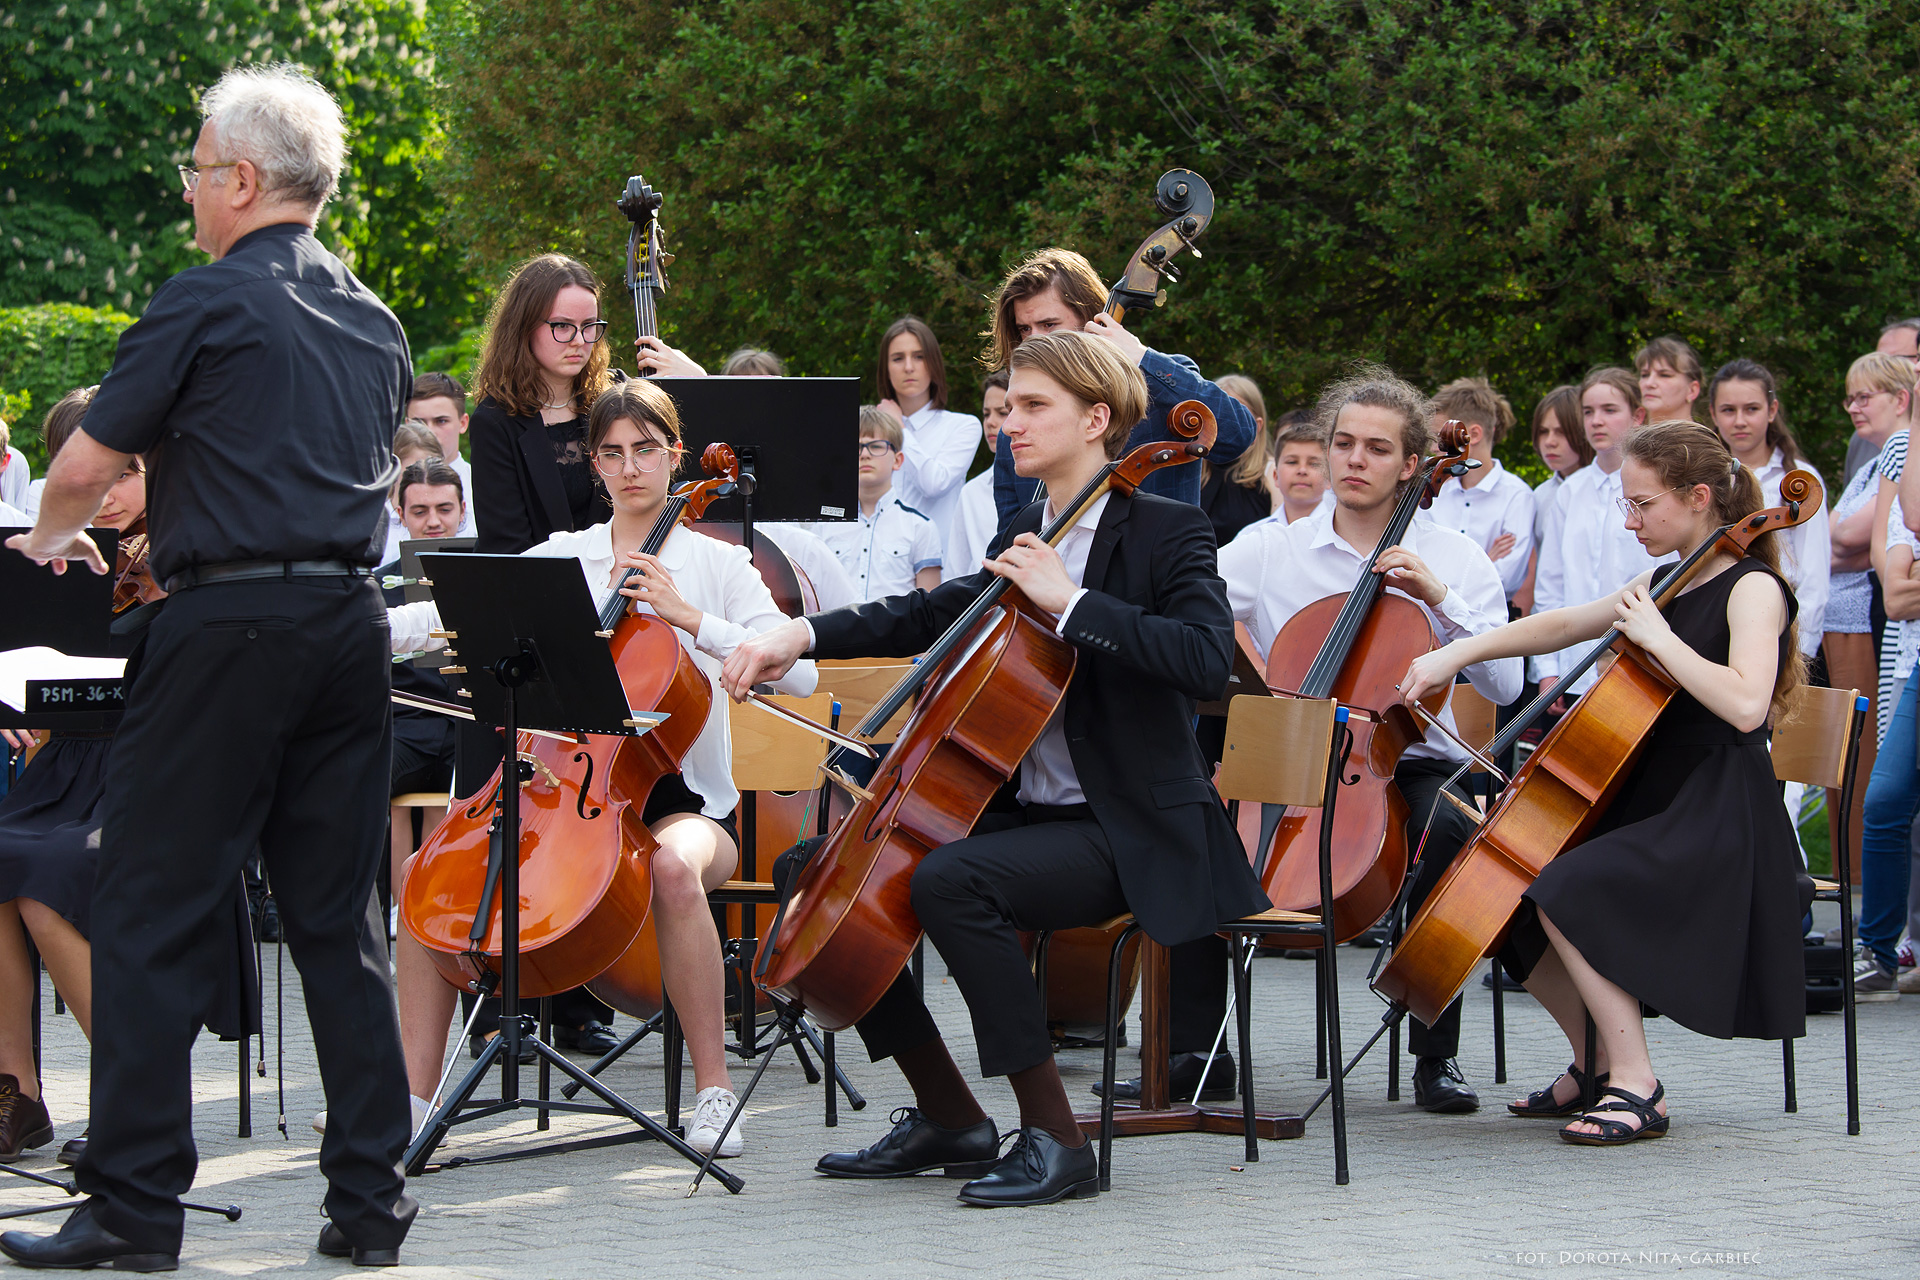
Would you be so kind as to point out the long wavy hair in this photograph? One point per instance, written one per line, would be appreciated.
(508, 372)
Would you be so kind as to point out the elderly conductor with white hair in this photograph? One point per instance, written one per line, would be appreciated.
(256, 709)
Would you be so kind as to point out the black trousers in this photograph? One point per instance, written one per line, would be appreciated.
(1197, 973)
(257, 715)
(1039, 868)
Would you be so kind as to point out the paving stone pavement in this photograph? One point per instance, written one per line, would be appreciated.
(1739, 1189)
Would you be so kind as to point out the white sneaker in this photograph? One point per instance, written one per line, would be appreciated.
(710, 1112)
(420, 1113)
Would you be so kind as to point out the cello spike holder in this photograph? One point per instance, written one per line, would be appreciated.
(517, 664)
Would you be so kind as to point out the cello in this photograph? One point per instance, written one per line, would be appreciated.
(988, 687)
(1361, 643)
(585, 855)
(1561, 791)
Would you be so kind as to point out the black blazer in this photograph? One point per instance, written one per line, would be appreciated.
(1154, 634)
(515, 481)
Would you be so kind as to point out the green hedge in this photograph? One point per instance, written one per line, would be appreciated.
(46, 352)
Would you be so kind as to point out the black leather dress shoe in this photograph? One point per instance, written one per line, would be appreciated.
(83, 1243)
(477, 1045)
(72, 1150)
(1183, 1078)
(1439, 1087)
(596, 1038)
(334, 1244)
(916, 1145)
(1037, 1169)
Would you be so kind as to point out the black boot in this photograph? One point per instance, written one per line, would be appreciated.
(916, 1145)
(1439, 1087)
(1037, 1169)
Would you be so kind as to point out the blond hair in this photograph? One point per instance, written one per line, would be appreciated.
(1473, 400)
(415, 435)
(1093, 371)
(1250, 468)
(1878, 371)
(1079, 285)
(877, 424)
(1378, 387)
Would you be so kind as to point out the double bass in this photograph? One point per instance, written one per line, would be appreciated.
(987, 688)
(586, 857)
(1355, 647)
(1561, 791)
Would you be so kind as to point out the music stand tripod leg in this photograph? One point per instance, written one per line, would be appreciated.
(618, 1052)
(789, 1021)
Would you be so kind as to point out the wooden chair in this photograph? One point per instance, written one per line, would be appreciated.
(1818, 743)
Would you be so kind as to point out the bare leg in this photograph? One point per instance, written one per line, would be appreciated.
(1616, 1016)
(17, 981)
(696, 855)
(69, 958)
(1552, 986)
(426, 1004)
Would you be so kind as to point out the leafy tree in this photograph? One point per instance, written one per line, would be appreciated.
(46, 352)
(1524, 191)
(97, 106)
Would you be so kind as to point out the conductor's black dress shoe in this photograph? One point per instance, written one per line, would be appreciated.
(916, 1145)
(1183, 1077)
(334, 1244)
(83, 1243)
(1037, 1169)
(1439, 1087)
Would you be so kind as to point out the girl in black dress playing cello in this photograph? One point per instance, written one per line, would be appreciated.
(1684, 897)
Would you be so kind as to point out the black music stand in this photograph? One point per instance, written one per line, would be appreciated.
(531, 624)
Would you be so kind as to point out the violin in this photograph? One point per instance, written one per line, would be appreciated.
(1360, 643)
(586, 858)
(987, 688)
(1561, 791)
(132, 580)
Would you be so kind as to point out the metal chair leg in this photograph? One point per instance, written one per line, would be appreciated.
(1319, 1020)
(1243, 1005)
(1589, 1092)
(1108, 1053)
(1499, 1022)
(1787, 1077)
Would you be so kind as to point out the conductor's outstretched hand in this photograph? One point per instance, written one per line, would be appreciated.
(764, 657)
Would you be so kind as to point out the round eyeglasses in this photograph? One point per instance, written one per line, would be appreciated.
(646, 459)
(1631, 507)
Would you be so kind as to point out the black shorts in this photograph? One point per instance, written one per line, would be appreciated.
(415, 769)
(672, 795)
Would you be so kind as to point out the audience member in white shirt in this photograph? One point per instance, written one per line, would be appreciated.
(892, 548)
(1670, 377)
(1563, 446)
(1297, 469)
(1489, 504)
(975, 520)
(937, 445)
(1594, 553)
(1746, 411)
(440, 402)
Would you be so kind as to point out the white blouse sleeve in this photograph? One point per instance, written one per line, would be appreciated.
(410, 624)
(747, 609)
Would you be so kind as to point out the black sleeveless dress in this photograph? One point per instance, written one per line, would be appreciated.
(1686, 894)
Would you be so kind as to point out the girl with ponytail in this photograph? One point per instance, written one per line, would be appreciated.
(1684, 897)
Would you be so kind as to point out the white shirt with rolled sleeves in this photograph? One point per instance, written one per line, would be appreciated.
(1807, 556)
(1500, 503)
(974, 524)
(832, 588)
(882, 552)
(1274, 570)
(939, 446)
(714, 577)
(1593, 555)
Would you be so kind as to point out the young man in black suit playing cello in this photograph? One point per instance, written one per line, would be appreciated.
(1114, 809)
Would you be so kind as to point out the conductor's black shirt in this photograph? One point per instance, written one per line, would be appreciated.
(264, 390)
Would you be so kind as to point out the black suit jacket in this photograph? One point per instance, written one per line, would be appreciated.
(1154, 635)
(515, 481)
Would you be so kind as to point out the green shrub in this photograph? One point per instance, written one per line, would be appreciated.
(46, 352)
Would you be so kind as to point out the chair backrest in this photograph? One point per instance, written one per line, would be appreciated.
(1276, 750)
(1810, 742)
(771, 754)
(859, 688)
(1473, 717)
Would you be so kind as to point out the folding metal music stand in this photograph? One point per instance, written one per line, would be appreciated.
(531, 624)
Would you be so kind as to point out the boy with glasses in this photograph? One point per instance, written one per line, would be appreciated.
(892, 548)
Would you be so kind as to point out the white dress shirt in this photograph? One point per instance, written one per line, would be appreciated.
(974, 523)
(34, 491)
(832, 588)
(882, 552)
(14, 518)
(714, 577)
(1806, 560)
(1543, 496)
(939, 446)
(15, 479)
(1500, 503)
(1273, 570)
(1589, 555)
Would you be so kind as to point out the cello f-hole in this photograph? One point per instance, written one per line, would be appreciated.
(586, 781)
(877, 825)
